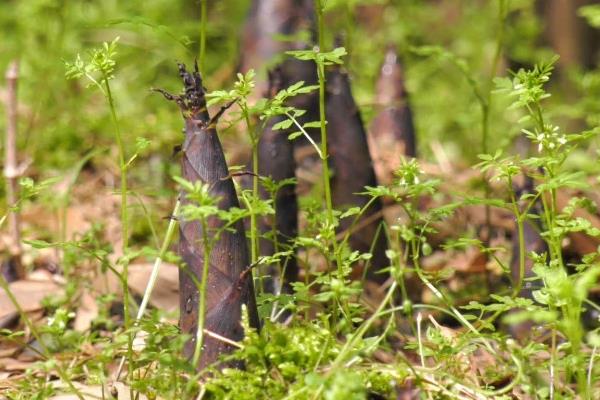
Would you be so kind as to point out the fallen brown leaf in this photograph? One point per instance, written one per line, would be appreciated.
(166, 292)
(86, 312)
(29, 294)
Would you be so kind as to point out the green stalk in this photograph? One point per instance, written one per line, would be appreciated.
(254, 246)
(362, 330)
(486, 105)
(254, 239)
(323, 117)
(571, 310)
(154, 275)
(157, 263)
(521, 234)
(203, 18)
(495, 63)
(124, 223)
(122, 164)
(522, 250)
(414, 249)
(203, 285)
(323, 123)
(324, 154)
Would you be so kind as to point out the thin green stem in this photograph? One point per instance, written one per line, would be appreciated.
(324, 153)
(590, 370)
(415, 246)
(322, 115)
(155, 270)
(122, 165)
(124, 223)
(522, 250)
(306, 135)
(253, 225)
(521, 235)
(486, 105)
(254, 245)
(362, 330)
(323, 125)
(202, 301)
(203, 23)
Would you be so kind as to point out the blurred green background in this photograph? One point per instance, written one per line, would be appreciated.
(61, 120)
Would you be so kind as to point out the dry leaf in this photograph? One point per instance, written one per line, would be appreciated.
(86, 312)
(11, 364)
(29, 294)
(94, 392)
(166, 292)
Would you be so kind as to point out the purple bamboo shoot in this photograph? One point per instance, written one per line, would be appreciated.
(268, 23)
(276, 160)
(352, 171)
(229, 283)
(392, 132)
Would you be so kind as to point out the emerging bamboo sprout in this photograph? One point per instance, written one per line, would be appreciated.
(276, 161)
(229, 283)
(268, 23)
(392, 132)
(353, 170)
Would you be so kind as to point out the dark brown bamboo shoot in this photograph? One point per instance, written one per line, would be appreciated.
(268, 22)
(229, 282)
(392, 133)
(352, 171)
(276, 160)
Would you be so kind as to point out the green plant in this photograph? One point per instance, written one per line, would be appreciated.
(102, 62)
(560, 300)
(430, 328)
(264, 110)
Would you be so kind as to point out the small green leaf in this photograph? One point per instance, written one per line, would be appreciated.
(294, 135)
(282, 125)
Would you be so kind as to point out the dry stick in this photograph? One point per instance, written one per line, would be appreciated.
(11, 169)
(153, 277)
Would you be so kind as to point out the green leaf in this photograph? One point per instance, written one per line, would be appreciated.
(38, 244)
(591, 13)
(282, 125)
(350, 212)
(294, 135)
(313, 124)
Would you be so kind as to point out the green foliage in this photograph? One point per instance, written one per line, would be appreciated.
(592, 14)
(293, 360)
(334, 335)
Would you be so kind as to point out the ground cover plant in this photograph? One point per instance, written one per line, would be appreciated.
(370, 199)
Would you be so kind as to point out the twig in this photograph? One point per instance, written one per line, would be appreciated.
(11, 169)
(153, 277)
(222, 338)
